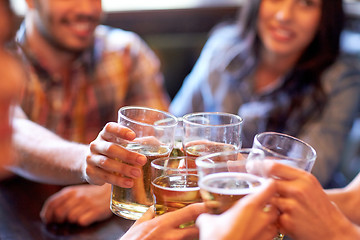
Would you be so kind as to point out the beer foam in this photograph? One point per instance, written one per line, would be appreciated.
(220, 177)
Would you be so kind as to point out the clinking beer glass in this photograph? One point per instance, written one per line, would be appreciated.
(210, 132)
(226, 177)
(284, 149)
(155, 132)
(174, 183)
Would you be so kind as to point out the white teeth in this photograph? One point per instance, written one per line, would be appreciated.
(82, 26)
(283, 33)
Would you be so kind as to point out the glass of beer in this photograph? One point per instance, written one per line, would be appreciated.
(287, 150)
(155, 132)
(210, 132)
(225, 177)
(174, 183)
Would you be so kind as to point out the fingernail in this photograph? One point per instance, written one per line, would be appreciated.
(141, 160)
(130, 135)
(135, 172)
(128, 183)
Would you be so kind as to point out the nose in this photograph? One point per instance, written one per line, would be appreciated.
(285, 11)
(88, 6)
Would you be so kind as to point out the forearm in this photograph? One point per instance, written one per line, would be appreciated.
(43, 156)
(348, 199)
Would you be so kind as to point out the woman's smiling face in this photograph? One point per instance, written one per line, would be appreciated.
(287, 27)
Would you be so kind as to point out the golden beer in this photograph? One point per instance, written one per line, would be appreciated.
(132, 203)
(172, 192)
(221, 190)
(201, 148)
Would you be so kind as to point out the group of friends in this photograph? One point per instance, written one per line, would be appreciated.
(278, 66)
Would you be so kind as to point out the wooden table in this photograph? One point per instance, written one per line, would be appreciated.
(20, 205)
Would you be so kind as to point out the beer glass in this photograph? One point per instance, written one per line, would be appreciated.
(210, 132)
(287, 150)
(224, 178)
(154, 138)
(174, 183)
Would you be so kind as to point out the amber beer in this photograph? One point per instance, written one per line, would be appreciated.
(201, 148)
(174, 192)
(132, 203)
(221, 190)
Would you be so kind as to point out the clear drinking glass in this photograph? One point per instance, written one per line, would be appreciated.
(174, 182)
(225, 177)
(210, 132)
(286, 150)
(155, 132)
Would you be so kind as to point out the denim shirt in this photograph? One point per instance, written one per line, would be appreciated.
(221, 80)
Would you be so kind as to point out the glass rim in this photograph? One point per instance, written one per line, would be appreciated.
(175, 119)
(186, 120)
(265, 149)
(200, 160)
(157, 166)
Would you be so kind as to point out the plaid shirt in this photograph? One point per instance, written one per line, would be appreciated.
(118, 70)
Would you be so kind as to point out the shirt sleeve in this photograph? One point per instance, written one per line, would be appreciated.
(329, 133)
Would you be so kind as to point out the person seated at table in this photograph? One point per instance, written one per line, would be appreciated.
(279, 68)
(79, 74)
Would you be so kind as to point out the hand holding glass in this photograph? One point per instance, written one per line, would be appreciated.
(287, 150)
(155, 132)
(225, 178)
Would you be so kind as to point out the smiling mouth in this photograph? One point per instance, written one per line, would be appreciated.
(282, 34)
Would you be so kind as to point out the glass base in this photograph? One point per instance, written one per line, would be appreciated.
(128, 210)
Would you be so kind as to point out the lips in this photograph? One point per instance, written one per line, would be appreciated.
(282, 34)
(82, 29)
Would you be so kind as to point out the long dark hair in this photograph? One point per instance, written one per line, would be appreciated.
(304, 79)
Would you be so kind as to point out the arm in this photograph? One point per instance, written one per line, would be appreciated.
(348, 199)
(306, 212)
(43, 156)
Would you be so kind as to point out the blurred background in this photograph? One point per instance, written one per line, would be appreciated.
(177, 30)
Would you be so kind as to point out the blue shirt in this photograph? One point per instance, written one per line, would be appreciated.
(221, 80)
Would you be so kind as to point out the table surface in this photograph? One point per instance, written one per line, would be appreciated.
(20, 204)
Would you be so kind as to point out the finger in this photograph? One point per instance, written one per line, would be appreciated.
(98, 176)
(186, 214)
(115, 151)
(48, 212)
(259, 198)
(203, 218)
(188, 233)
(287, 205)
(113, 166)
(148, 215)
(77, 212)
(90, 217)
(112, 131)
(278, 170)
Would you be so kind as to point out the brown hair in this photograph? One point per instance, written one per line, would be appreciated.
(304, 79)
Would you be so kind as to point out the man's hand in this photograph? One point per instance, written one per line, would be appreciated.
(81, 204)
(109, 162)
